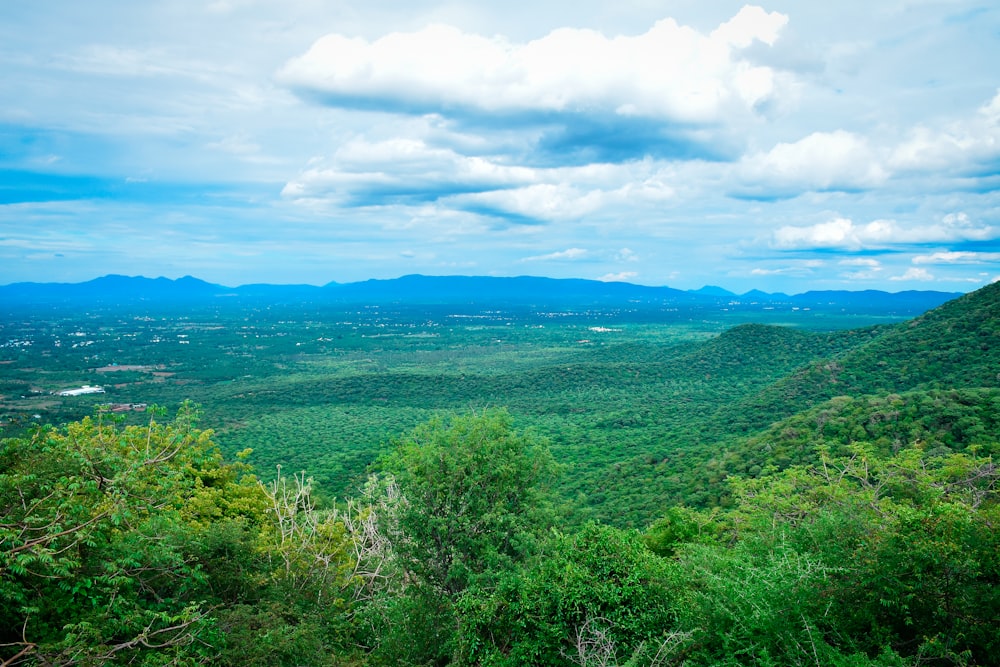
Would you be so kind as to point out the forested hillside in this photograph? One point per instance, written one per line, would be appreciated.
(767, 496)
(956, 345)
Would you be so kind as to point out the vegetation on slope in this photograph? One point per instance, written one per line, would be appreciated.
(128, 545)
(953, 420)
(956, 345)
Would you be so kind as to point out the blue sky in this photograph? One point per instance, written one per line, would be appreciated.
(786, 146)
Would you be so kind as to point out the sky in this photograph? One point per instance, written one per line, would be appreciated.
(787, 146)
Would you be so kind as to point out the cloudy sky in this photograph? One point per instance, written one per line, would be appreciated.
(787, 146)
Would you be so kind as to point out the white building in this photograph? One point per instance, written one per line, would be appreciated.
(85, 389)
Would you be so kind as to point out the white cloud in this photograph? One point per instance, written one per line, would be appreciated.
(366, 169)
(958, 257)
(569, 196)
(670, 72)
(622, 277)
(845, 234)
(835, 233)
(868, 269)
(751, 23)
(821, 161)
(410, 170)
(626, 255)
(542, 202)
(798, 268)
(961, 145)
(914, 274)
(570, 254)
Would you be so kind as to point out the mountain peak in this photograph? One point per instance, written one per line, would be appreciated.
(711, 290)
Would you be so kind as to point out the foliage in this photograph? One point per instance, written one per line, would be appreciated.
(92, 555)
(472, 507)
(954, 346)
(854, 554)
(139, 544)
(625, 397)
(811, 497)
(939, 421)
(597, 596)
(473, 493)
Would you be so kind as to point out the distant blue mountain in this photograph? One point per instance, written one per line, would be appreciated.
(712, 290)
(279, 292)
(111, 288)
(873, 300)
(482, 289)
(443, 290)
(757, 295)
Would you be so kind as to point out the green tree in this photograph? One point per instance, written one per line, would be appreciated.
(472, 506)
(93, 564)
(138, 544)
(594, 597)
(856, 555)
(474, 498)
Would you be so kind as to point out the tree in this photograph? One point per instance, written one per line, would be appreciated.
(472, 506)
(594, 597)
(140, 545)
(473, 498)
(92, 543)
(860, 555)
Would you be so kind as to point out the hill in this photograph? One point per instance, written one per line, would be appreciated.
(937, 420)
(779, 393)
(956, 345)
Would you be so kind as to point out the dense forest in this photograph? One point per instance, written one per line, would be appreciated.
(691, 495)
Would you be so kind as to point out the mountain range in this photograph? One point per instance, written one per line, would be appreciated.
(432, 290)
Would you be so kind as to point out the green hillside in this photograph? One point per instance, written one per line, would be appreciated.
(937, 420)
(956, 345)
(931, 382)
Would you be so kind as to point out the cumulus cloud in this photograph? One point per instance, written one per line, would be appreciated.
(533, 203)
(820, 161)
(965, 146)
(541, 202)
(571, 196)
(837, 233)
(362, 172)
(670, 72)
(411, 171)
(843, 233)
(846, 161)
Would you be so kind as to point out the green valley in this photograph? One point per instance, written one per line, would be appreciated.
(700, 484)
